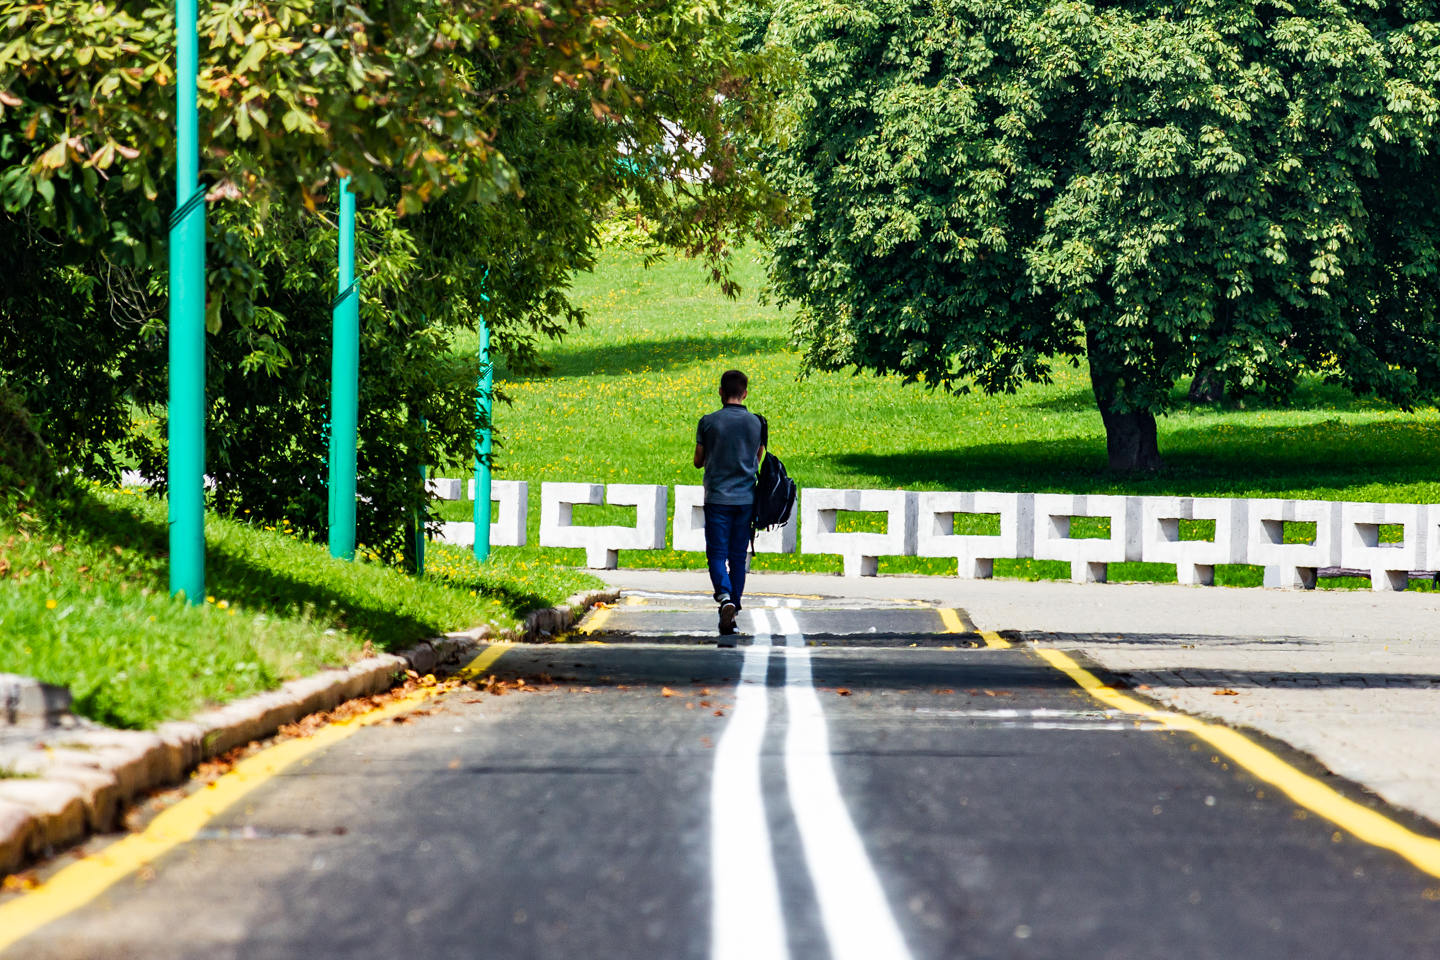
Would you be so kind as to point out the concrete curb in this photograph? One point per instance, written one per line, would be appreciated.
(78, 780)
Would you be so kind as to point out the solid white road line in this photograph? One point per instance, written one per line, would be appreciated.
(746, 923)
(857, 918)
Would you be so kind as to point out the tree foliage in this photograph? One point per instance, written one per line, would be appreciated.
(1247, 189)
(483, 138)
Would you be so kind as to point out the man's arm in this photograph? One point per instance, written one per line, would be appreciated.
(699, 455)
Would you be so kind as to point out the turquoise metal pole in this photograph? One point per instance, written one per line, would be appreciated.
(344, 387)
(483, 390)
(421, 516)
(186, 466)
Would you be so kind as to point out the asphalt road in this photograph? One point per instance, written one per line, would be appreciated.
(850, 782)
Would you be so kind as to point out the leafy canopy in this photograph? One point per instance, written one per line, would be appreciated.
(1246, 187)
(484, 138)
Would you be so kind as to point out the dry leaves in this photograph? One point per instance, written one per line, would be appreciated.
(17, 882)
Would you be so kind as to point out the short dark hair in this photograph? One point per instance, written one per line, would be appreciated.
(733, 384)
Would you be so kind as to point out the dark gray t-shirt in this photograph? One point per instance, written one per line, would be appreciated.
(732, 437)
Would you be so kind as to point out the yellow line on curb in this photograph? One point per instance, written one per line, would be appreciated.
(482, 661)
(83, 881)
(957, 622)
(1366, 824)
(994, 641)
(595, 621)
(952, 620)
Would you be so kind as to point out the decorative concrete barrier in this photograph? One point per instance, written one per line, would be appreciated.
(1089, 557)
(443, 488)
(508, 528)
(602, 544)
(1347, 537)
(861, 552)
(1389, 564)
(1291, 565)
(975, 554)
(688, 530)
(1432, 537)
(1195, 560)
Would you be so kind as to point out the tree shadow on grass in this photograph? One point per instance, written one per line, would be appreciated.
(250, 581)
(1311, 393)
(1222, 459)
(612, 359)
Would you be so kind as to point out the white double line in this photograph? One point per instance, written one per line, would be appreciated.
(747, 922)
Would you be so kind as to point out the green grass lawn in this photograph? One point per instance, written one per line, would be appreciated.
(84, 602)
(620, 401)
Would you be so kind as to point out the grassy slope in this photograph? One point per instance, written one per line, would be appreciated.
(620, 402)
(84, 602)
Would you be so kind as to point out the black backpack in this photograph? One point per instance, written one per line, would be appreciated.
(774, 493)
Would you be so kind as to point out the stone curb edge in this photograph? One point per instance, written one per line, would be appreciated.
(81, 784)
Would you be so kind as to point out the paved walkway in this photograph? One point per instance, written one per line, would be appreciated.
(1351, 678)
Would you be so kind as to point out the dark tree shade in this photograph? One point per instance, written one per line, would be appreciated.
(1245, 189)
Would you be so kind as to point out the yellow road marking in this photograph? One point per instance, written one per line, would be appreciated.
(595, 621)
(994, 641)
(1366, 824)
(482, 661)
(954, 623)
(83, 881)
(957, 622)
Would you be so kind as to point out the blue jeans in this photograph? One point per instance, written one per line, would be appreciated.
(727, 538)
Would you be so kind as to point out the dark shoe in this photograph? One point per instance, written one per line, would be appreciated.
(727, 616)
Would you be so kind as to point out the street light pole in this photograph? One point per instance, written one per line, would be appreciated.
(483, 390)
(186, 411)
(344, 386)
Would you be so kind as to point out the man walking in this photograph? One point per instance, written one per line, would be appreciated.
(728, 445)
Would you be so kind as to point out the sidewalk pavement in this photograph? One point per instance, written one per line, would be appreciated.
(1351, 678)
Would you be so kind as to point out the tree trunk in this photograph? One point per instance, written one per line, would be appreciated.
(1130, 438)
(1207, 386)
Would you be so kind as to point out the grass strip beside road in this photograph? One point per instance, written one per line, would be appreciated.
(84, 603)
(1365, 824)
(78, 884)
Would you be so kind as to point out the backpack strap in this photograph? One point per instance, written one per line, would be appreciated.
(765, 443)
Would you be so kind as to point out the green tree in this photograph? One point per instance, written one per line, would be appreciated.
(484, 139)
(1245, 189)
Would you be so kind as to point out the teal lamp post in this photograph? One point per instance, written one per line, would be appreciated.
(484, 388)
(186, 412)
(344, 387)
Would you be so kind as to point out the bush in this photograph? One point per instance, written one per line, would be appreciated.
(27, 469)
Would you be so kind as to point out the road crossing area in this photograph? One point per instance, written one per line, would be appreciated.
(875, 779)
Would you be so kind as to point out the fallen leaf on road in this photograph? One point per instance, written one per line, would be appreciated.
(19, 881)
(843, 691)
(666, 692)
(1227, 692)
(719, 713)
(453, 764)
(942, 693)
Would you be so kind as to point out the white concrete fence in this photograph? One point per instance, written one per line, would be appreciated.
(1038, 526)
